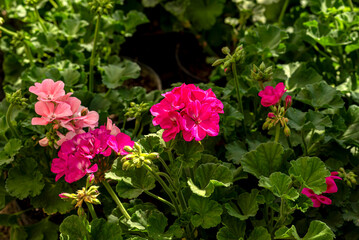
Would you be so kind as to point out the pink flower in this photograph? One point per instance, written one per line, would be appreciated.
(271, 115)
(316, 199)
(271, 96)
(331, 186)
(44, 142)
(288, 101)
(198, 121)
(112, 127)
(48, 90)
(172, 125)
(50, 112)
(118, 142)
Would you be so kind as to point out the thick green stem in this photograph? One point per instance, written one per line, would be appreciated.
(277, 132)
(137, 126)
(41, 21)
(283, 12)
(124, 123)
(92, 59)
(164, 164)
(351, 5)
(116, 199)
(91, 210)
(305, 144)
(7, 31)
(54, 4)
(165, 187)
(8, 121)
(160, 199)
(29, 54)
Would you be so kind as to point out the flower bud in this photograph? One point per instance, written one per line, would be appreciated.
(226, 50)
(217, 62)
(128, 149)
(90, 180)
(138, 147)
(286, 131)
(95, 201)
(80, 211)
(65, 195)
(271, 115)
(288, 101)
(126, 165)
(152, 156)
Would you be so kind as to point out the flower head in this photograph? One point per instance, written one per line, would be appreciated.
(271, 96)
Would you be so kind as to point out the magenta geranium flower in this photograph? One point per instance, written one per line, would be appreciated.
(118, 142)
(188, 109)
(321, 199)
(271, 96)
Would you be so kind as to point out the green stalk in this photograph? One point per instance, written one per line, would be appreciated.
(92, 59)
(277, 132)
(164, 164)
(116, 199)
(160, 199)
(54, 4)
(283, 12)
(236, 83)
(137, 126)
(351, 5)
(91, 210)
(28, 53)
(124, 123)
(41, 21)
(8, 121)
(165, 187)
(305, 144)
(7, 31)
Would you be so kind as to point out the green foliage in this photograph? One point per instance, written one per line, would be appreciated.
(246, 206)
(316, 231)
(280, 185)
(10, 150)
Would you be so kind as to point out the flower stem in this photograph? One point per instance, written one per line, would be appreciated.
(54, 4)
(137, 126)
(7, 31)
(8, 120)
(165, 187)
(91, 210)
(92, 59)
(236, 83)
(160, 199)
(351, 5)
(284, 8)
(277, 133)
(164, 164)
(41, 21)
(116, 199)
(28, 53)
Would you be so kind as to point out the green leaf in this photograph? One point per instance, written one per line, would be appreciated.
(303, 76)
(99, 103)
(280, 185)
(233, 229)
(208, 212)
(132, 20)
(11, 148)
(352, 131)
(18, 233)
(131, 183)
(246, 206)
(150, 3)
(235, 151)
(102, 230)
(75, 228)
(320, 95)
(264, 160)
(153, 142)
(203, 13)
(74, 28)
(318, 231)
(208, 176)
(25, 180)
(287, 233)
(322, 34)
(44, 229)
(306, 121)
(177, 8)
(189, 152)
(352, 213)
(310, 172)
(49, 199)
(260, 233)
(113, 75)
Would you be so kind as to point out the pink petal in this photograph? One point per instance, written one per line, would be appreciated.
(44, 109)
(39, 121)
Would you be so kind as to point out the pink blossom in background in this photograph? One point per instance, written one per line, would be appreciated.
(331, 186)
(271, 96)
(189, 109)
(118, 142)
(48, 90)
(316, 199)
(49, 112)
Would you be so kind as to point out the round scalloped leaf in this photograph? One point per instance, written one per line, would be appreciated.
(208, 212)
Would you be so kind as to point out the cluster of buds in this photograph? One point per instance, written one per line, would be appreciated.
(261, 74)
(87, 194)
(31, 2)
(135, 110)
(16, 98)
(349, 178)
(237, 57)
(136, 158)
(101, 6)
(278, 116)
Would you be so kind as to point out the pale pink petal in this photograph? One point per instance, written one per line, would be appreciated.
(44, 109)
(39, 121)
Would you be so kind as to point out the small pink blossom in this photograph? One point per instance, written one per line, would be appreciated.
(44, 142)
(49, 112)
(48, 90)
(271, 115)
(331, 186)
(288, 101)
(118, 142)
(316, 199)
(271, 96)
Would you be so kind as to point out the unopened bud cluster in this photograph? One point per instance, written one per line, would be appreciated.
(135, 158)
(135, 110)
(349, 178)
(101, 6)
(262, 73)
(278, 116)
(87, 194)
(16, 98)
(237, 57)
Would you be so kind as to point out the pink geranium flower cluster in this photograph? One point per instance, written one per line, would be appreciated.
(80, 155)
(189, 109)
(321, 199)
(271, 96)
(61, 110)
